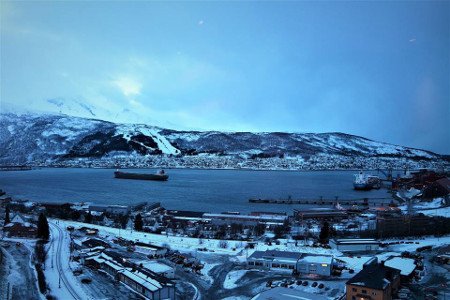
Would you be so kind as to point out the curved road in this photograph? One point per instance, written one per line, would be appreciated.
(59, 264)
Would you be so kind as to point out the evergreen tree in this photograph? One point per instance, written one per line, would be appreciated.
(138, 223)
(324, 233)
(88, 218)
(43, 231)
(7, 220)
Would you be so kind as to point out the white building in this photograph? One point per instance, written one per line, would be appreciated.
(355, 245)
(315, 264)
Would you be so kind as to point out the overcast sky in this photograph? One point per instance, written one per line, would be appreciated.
(376, 69)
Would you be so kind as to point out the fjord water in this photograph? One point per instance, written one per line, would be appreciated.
(186, 189)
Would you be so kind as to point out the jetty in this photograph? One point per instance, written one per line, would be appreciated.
(321, 201)
(15, 168)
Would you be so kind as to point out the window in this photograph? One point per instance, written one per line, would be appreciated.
(354, 290)
(251, 263)
(373, 293)
(275, 265)
(364, 291)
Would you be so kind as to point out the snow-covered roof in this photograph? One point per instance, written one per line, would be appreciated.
(113, 265)
(156, 267)
(318, 259)
(405, 265)
(147, 282)
(18, 218)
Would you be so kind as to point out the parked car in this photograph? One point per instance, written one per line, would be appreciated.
(305, 283)
(314, 284)
(321, 286)
(86, 280)
(299, 282)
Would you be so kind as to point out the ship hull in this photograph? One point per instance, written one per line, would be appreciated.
(140, 176)
(362, 186)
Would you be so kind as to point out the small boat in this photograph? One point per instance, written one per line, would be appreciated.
(160, 176)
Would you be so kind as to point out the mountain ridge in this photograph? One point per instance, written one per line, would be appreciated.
(57, 138)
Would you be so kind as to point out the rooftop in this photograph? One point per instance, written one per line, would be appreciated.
(405, 265)
(374, 276)
(274, 254)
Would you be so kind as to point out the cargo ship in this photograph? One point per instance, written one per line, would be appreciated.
(160, 176)
(366, 182)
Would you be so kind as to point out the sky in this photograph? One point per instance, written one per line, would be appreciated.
(375, 69)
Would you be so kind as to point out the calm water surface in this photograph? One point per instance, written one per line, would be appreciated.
(186, 189)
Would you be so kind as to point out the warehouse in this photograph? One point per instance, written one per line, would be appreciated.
(355, 245)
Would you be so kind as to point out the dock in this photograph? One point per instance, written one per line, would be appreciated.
(321, 201)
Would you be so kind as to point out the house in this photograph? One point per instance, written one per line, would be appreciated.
(20, 227)
(158, 268)
(282, 293)
(315, 264)
(355, 245)
(274, 260)
(374, 282)
(25, 230)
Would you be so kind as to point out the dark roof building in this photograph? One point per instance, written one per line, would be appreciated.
(375, 281)
(439, 188)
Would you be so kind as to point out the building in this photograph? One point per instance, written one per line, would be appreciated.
(282, 293)
(149, 249)
(406, 266)
(315, 264)
(113, 209)
(355, 245)
(324, 214)
(374, 282)
(252, 220)
(274, 260)
(88, 242)
(146, 283)
(439, 188)
(290, 261)
(158, 268)
(20, 227)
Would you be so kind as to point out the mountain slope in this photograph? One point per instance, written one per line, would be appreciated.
(58, 138)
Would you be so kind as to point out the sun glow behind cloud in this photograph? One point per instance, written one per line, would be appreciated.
(128, 86)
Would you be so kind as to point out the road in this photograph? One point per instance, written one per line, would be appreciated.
(59, 253)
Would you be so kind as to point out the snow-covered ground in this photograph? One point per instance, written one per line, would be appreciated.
(207, 267)
(232, 278)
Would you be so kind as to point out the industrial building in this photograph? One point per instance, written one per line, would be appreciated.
(113, 209)
(290, 261)
(355, 245)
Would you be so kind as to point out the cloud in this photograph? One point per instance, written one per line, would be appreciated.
(128, 86)
(201, 22)
(412, 40)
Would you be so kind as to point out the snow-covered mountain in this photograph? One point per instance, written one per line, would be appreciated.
(49, 138)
